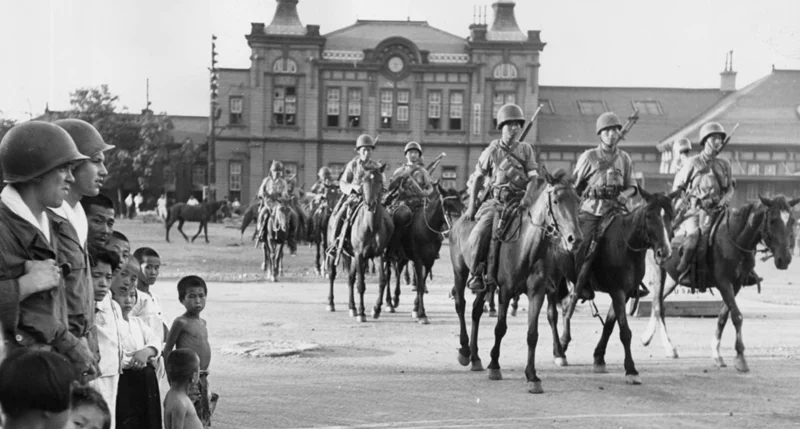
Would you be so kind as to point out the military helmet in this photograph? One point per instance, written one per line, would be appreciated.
(276, 166)
(413, 146)
(324, 172)
(509, 112)
(711, 128)
(365, 140)
(607, 120)
(681, 145)
(86, 137)
(33, 148)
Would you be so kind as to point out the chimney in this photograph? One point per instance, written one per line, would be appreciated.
(477, 30)
(727, 79)
(286, 20)
(505, 28)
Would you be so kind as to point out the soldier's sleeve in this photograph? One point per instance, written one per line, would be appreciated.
(485, 165)
(531, 166)
(425, 179)
(581, 172)
(682, 178)
(347, 178)
(629, 181)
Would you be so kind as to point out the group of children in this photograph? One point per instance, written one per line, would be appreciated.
(152, 377)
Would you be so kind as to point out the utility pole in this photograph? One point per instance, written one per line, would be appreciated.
(214, 113)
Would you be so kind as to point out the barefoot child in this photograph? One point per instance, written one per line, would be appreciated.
(189, 332)
(89, 410)
(183, 370)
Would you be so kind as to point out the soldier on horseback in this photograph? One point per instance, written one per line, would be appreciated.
(604, 179)
(411, 182)
(511, 168)
(294, 205)
(350, 185)
(273, 190)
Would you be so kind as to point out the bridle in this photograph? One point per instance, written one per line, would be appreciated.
(649, 241)
(446, 213)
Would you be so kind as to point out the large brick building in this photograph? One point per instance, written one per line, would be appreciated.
(306, 97)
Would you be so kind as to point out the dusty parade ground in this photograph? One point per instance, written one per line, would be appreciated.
(281, 361)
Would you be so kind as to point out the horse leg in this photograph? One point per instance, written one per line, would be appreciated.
(332, 276)
(566, 334)
(352, 270)
(180, 229)
(559, 355)
(396, 298)
(376, 310)
(460, 274)
(205, 229)
(619, 300)
(362, 265)
(492, 293)
(535, 302)
(168, 225)
(500, 329)
(515, 305)
(199, 230)
(599, 366)
(660, 291)
(722, 320)
(388, 267)
(729, 298)
(419, 304)
(477, 312)
(406, 275)
(266, 259)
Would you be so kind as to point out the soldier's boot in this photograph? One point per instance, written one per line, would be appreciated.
(687, 255)
(475, 282)
(582, 288)
(492, 263)
(752, 279)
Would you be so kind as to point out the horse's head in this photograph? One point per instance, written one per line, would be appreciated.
(655, 222)
(777, 228)
(372, 186)
(557, 205)
(450, 200)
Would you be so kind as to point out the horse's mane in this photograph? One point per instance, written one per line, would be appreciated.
(562, 177)
(739, 216)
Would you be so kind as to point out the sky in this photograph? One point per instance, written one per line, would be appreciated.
(52, 47)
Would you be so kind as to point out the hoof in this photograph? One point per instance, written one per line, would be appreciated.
(535, 387)
(463, 360)
(741, 365)
(352, 313)
(476, 365)
(633, 379)
(599, 368)
(392, 310)
(495, 374)
(330, 308)
(492, 313)
(672, 354)
(423, 320)
(513, 312)
(414, 314)
(561, 361)
(720, 363)
(362, 318)
(376, 313)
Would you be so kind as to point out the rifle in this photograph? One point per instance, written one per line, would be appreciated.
(435, 163)
(629, 124)
(529, 125)
(728, 138)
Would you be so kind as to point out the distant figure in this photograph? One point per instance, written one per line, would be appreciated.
(138, 200)
(235, 205)
(129, 205)
(192, 201)
(161, 207)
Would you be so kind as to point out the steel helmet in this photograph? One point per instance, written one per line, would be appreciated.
(509, 112)
(681, 145)
(33, 148)
(711, 128)
(86, 137)
(365, 140)
(607, 120)
(276, 166)
(413, 146)
(324, 172)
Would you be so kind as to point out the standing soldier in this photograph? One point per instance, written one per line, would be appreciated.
(72, 228)
(604, 179)
(511, 168)
(350, 185)
(37, 160)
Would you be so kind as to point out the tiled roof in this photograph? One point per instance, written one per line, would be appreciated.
(366, 34)
(567, 125)
(767, 111)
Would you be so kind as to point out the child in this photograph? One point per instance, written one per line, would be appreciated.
(89, 410)
(148, 307)
(189, 332)
(183, 369)
(35, 388)
(119, 244)
(100, 215)
(105, 271)
(138, 401)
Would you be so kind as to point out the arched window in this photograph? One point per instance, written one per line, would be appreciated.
(284, 65)
(505, 71)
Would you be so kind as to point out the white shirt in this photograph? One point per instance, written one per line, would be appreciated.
(107, 319)
(14, 202)
(136, 335)
(76, 217)
(148, 309)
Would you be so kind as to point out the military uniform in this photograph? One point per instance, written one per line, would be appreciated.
(271, 190)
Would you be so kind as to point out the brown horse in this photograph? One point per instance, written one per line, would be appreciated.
(770, 222)
(318, 230)
(278, 226)
(369, 235)
(182, 212)
(419, 242)
(551, 221)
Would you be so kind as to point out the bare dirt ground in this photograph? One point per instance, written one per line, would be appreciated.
(395, 373)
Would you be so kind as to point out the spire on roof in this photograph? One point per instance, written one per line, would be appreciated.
(286, 19)
(505, 28)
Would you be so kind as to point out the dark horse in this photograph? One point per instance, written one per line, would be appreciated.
(318, 231)
(278, 225)
(182, 212)
(369, 235)
(769, 221)
(250, 215)
(552, 221)
(419, 242)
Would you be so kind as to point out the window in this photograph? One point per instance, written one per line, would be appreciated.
(402, 108)
(591, 107)
(762, 156)
(198, 175)
(284, 106)
(746, 156)
(505, 71)
(476, 119)
(648, 107)
(769, 190)
(770, 170)
(168, 175)
(235, 176)
(434, 110)
(753, 169)
(456, 109)
(236, 108)
(752, 192)
(336, 170)
(334, 98)
(387, 107)
(289, 169)
(501, 98)
(449, 177)
(780, 156)
(354, 107)
(547, 107)
(284, 65)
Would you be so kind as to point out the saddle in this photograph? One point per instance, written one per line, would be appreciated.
(699, 276)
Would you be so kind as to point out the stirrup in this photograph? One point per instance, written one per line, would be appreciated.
(476, 283)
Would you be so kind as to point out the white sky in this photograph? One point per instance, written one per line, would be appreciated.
(53, 47)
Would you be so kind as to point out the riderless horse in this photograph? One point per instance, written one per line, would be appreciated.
(730, 259)
(182, 212)
(369, 234)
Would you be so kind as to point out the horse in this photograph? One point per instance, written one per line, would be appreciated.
(318, 231)
(182, 212)
(551, 221)
(419, 242)
(369, 234)
(250, 215)
(278, 226)
(767, 221)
